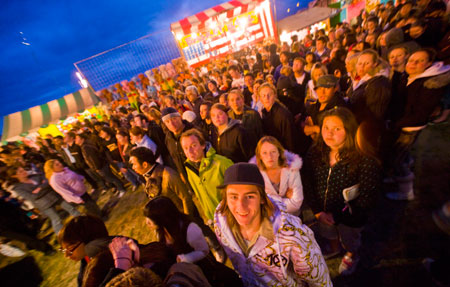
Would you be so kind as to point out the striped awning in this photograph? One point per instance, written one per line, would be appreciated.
(198, 21)
(32, 118)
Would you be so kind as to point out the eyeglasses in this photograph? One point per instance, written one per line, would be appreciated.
(69, 251)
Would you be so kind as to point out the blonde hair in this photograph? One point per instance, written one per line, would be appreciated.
(277, 144)
(48, 168)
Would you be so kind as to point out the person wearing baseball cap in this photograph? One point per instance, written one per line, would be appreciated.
(251, 226)
(327, 89)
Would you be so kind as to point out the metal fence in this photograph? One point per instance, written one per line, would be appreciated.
(128, 60)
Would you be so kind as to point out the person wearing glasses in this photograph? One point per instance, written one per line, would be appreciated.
(81, 238)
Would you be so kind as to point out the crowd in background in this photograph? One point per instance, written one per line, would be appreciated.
(327, 120)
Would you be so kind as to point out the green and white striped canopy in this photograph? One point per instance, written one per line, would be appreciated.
(32, 118)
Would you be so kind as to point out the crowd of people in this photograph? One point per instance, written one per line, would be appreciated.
(232, 156)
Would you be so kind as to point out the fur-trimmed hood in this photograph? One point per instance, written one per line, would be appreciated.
(437, 69)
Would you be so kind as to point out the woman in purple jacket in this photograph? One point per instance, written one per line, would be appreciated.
(70, 186)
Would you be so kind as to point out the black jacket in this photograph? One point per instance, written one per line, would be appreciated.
(250, 121)
(324, 188)
(93, 156)
(175, 149)
(234, 143)
(279, 123)
(370, 100)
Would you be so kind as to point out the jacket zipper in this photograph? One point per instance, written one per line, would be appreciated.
(326, 191)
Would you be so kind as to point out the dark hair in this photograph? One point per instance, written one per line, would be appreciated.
(233, 67)
(163, 212)
(285, 53)
(348, 154)
(431, 53)
(123, 132)
(142, 117)
(143, 154)
(83, 228)
(109, 131)
(322, 39)
(71, 135)
(137, 131)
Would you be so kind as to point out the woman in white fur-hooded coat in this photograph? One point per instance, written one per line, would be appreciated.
(281, 172)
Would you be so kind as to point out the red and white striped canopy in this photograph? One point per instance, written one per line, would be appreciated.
(198, 21)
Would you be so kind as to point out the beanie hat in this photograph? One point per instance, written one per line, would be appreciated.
(168, 113)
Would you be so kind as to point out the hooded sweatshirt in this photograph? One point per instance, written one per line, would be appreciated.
(290, 257)
(422, 93)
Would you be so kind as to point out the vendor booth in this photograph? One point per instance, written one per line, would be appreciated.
(34, 118)
(223, 29)
(305, 22)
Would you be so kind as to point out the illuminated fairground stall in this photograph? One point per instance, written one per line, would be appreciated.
(223, 29)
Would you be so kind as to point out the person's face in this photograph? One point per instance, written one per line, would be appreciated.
(174, 124)
(415, 31)
(283, 59)
(137, 122)
(371, 39)
(320, 45)
(405, 9)
(97, 128)
(21, 173)
(417, 63)
(269, 155)
(135, 138)
(234, 74)
(103, 135)
(309, 58)
(204, 111)
(58, 142)
(192, 96)
(236, 102)
(211, 87)
(248, 81)
(192, 148)
(316, 74)
(78, 140)
(267, 97)
(364, 64)
(333, 132)
(297, 66)
(219, 117)
(244, 203)
(325, 94)
(57, 166)
(397, 57)
(138, 167)
(74, 251)
(371, 26)
(121, 139)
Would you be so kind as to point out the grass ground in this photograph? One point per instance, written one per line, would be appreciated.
(398, 237)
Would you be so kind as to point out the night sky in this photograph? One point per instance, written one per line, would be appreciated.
(60, 33)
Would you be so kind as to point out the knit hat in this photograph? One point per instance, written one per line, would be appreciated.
(243, 173)
(394, 37)
(168, 113)
(189, 116)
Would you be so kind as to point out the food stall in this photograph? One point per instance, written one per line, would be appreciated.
(223, 29)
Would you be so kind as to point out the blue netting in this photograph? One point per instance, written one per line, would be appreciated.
(128, 60)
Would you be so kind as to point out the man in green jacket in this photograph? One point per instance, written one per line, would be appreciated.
(205, 170)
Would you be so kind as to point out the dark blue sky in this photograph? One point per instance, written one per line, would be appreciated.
(63, 32)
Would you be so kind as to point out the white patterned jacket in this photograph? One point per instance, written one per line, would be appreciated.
(291, 259)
